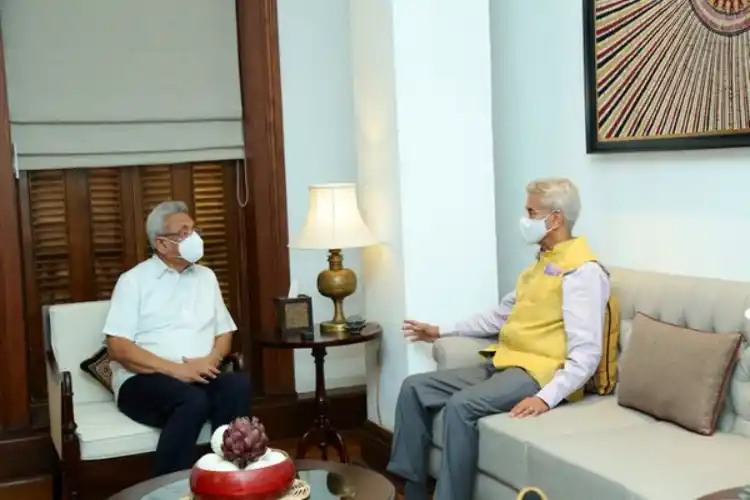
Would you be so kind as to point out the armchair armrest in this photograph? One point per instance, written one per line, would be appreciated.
(458, 352)
(61, 412)
(232, 360)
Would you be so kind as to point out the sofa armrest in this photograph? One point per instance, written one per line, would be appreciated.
(54, 402)
(233, 360)
(61, 412)
(458, 352)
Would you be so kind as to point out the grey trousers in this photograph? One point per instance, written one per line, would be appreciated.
(467, 394)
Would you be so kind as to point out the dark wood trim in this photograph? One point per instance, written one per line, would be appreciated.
(375, 443)
(14, 390)
(30, 488)
(182, 185)
(25, 454)
(71, 446)
(594, 145)
(37, 382)
(265, 215)
(141, 241)
(236, 304)
(81, 256)
(132, 227)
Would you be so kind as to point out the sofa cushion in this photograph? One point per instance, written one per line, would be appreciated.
(604, 380)
(654, 462)
(677, 374)
(98, 367)
(104, 432)
(704, 304)
(504, 441)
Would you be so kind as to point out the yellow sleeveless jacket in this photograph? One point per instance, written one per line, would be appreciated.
(534, 336)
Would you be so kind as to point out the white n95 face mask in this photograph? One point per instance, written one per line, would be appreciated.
(191, 248)
(533, 230)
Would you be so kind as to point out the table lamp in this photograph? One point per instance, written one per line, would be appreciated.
(333, 223)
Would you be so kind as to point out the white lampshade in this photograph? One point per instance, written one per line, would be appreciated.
(333, 220)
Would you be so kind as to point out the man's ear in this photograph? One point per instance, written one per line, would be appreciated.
(159, 246)
(558, 220)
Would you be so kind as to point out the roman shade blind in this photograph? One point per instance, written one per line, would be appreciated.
(95, 83)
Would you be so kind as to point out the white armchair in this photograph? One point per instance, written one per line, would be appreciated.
(89, 433)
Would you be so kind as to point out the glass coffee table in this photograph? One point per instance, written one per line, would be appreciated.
(327, 480)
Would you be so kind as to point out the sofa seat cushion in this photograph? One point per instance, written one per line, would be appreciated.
(645, 462)
(504, 441)
(104, 432)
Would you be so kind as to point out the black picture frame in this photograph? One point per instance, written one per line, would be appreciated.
(596, 146)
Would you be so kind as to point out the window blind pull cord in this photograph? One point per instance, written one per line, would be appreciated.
(16, 168)
(242, 180)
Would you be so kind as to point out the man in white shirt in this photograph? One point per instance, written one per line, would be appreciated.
(549, 335)
(168, 330)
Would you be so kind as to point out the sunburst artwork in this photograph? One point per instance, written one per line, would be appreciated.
(667, 74)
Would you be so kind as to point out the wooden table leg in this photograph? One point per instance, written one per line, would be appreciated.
(322, 434)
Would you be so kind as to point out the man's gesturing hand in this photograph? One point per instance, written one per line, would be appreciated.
(417, 331)
(529, 407)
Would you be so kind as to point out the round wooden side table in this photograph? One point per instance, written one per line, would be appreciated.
(322, 433)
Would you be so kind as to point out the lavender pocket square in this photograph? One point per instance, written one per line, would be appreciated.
(552, 270)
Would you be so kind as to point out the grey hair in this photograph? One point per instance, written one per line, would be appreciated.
(558, 194)
(157, 219)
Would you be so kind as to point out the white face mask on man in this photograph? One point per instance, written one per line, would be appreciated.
(191, 248)
(533, 230)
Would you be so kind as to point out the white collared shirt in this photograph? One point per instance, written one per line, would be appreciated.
(168, 313)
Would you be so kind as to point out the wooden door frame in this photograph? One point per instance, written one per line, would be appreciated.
(14, 391)
(265, 216)
(264, 260)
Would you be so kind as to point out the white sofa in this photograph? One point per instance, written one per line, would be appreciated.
(596, 449)
(86, 427)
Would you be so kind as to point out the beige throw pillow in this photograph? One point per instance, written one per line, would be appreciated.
(677, 374)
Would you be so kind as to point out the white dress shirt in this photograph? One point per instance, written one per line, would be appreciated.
(168, 313)
(585, 293)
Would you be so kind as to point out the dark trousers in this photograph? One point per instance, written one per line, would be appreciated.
(180, 410)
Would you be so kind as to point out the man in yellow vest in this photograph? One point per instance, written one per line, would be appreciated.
(549, 334)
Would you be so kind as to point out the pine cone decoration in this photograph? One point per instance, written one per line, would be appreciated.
(245, 441)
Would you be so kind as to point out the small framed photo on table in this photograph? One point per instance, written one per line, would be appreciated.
(294, 315)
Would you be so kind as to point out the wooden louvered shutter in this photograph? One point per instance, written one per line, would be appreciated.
(107, 242)
(48, 225)
(209, 199)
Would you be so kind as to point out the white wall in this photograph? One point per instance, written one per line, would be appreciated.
(374, 81)
(423, 112)
(316, 81)
(681, 212)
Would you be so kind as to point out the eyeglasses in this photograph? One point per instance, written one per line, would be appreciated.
(180, 235)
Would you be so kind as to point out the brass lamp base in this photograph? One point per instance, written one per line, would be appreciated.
(331, 329)
(336, 283)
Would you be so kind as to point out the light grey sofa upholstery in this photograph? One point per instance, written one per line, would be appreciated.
(596, 449)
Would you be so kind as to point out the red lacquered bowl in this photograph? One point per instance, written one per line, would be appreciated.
(265, 483)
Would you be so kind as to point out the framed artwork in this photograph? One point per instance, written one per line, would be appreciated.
(666, 74)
